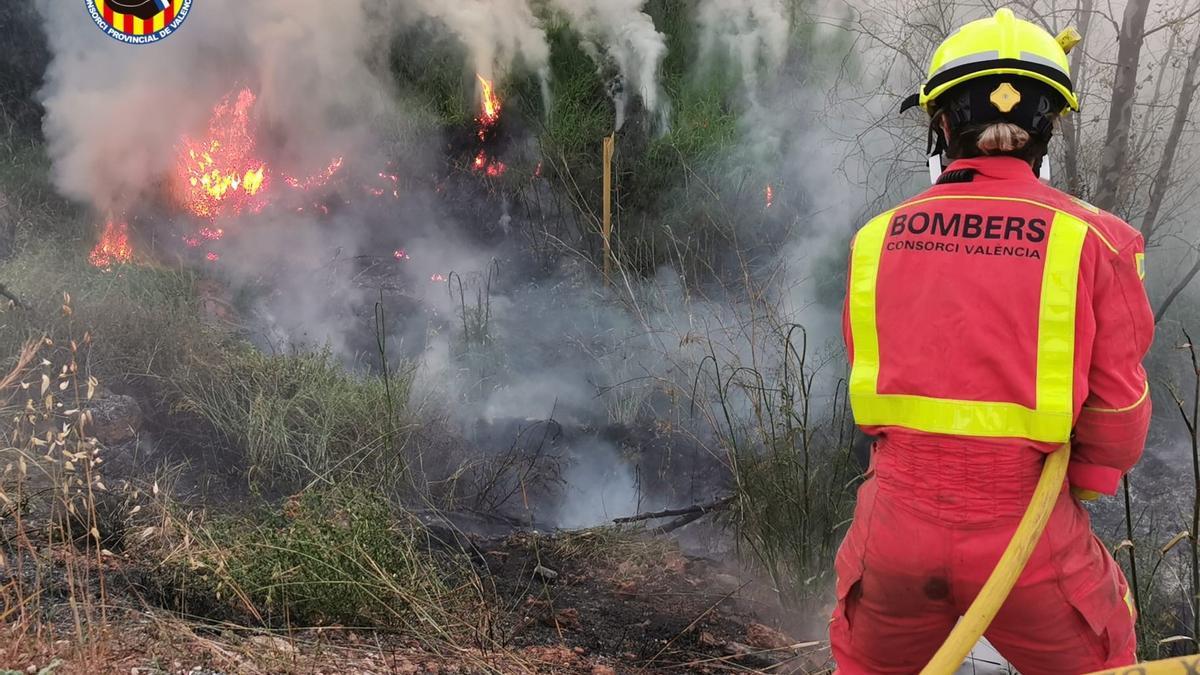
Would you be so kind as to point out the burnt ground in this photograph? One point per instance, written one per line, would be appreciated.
(584, 602)
(641, 605)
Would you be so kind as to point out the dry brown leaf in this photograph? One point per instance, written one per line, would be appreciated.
(45, 384)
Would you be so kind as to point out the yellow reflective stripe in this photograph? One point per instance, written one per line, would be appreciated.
(160, 21)
(865, 256)
(1050, 421)
(1056, 321)
(959, 418)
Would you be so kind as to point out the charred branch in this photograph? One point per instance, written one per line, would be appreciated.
(698, 511)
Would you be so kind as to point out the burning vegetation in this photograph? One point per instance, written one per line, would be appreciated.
(221, 174)
(486, 123)
(114, 247)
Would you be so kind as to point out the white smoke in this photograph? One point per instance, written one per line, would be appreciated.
(622, 31)
(754, 33)
(114, 113)
(497, 33)
(555, 345)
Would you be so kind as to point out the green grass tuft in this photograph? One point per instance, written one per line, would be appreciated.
(302, 418)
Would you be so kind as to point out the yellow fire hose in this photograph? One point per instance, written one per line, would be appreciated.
(1181, 664)
(994, 592)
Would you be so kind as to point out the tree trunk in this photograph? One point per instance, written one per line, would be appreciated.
(1114, 159)
(1070, 124)
(1162, 179)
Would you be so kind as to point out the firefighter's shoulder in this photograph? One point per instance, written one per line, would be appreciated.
(1113, 232)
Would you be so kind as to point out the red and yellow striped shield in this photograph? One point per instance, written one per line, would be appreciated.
(130, 24)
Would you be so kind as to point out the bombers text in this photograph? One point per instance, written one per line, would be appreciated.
(969, 226)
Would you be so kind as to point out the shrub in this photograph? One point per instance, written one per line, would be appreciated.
(793, 471)
(302, 418)
(329, 556)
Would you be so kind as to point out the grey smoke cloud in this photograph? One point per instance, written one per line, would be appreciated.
(556, 345)
(497, 33)
(753, 32)
(621, 30)
(116, 113)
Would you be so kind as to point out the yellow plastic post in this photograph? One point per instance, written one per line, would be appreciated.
(995, 591)
(1068, 39)
(606, 224)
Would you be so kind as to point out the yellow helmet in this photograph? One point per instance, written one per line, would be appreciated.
(1000, 45)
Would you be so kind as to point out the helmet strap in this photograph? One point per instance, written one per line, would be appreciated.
(935, 145)
(1042, 168)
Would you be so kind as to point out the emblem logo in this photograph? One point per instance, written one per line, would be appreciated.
(138, 22)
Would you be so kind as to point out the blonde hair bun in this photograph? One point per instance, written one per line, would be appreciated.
(1002, 137)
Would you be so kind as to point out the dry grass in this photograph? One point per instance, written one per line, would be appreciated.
(48, 491)
(335, 556)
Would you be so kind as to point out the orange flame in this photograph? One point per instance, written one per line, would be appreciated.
(221, 174)
(491, 107)
(770, 195)
(114, 247)
(317, 180)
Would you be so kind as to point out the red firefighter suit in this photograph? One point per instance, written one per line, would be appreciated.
(989, 321)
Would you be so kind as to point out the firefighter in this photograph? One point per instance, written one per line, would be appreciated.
(989, 321)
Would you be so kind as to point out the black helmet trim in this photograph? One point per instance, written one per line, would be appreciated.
(951, 74)
(1036, 105)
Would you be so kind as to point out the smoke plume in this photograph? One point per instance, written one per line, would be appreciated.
(754, 33)
(620, 32)
(516, 340)
(497, 33)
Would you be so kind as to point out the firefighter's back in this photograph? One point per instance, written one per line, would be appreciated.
(970, 322)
